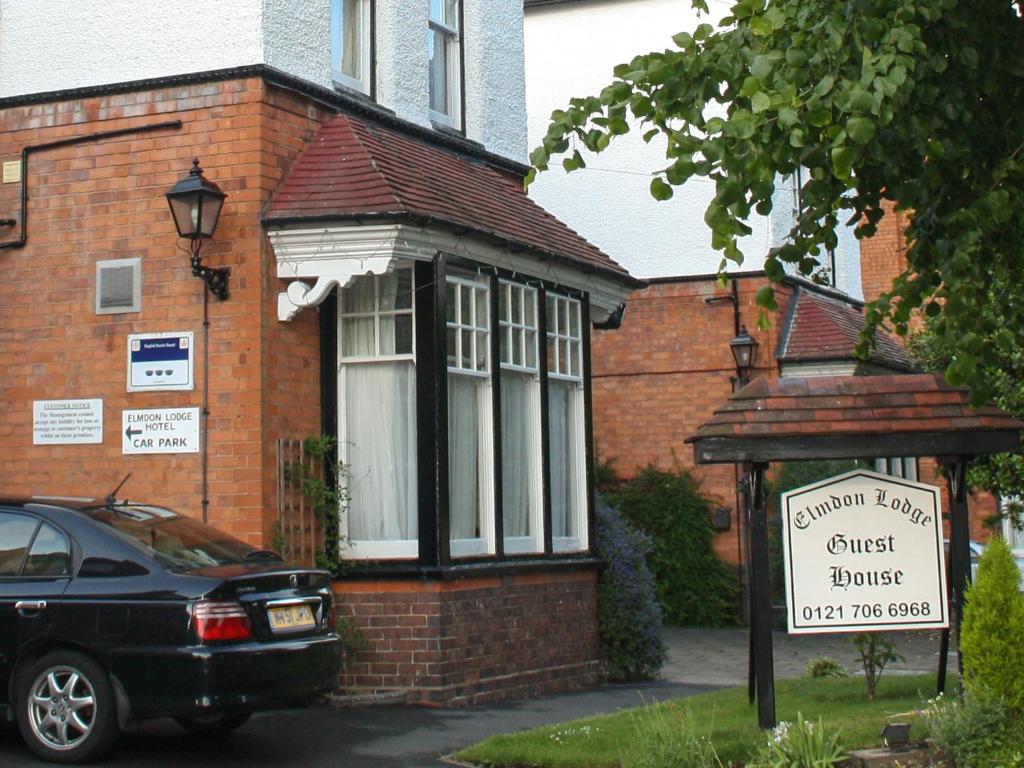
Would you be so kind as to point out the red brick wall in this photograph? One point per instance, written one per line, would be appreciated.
(474, 640)
(105, 200)
(882, 256)
(662, 374)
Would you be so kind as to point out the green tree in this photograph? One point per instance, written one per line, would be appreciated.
(1000, 473)
(911, 101)
(993, 624)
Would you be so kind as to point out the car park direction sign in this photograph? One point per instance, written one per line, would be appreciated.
(160, 430)
(863, 552)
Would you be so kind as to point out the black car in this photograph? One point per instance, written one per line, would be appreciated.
(114, 612)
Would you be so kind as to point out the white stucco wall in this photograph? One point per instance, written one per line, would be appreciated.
(48, 45)
(571, 50)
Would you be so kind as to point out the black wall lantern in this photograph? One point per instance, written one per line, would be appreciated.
(744, 351)
(195, 203)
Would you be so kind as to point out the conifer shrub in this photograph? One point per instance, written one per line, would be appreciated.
(695, 588)
(628, 614)
(992, 628)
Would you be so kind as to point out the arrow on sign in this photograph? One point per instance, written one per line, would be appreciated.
(129, 432)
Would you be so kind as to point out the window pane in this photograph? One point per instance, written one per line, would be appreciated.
(563, 316)
(467, 350)
(531, 308)
(357, 337)
(482, 343)
(403, 334)
(437, 55)
(465, 467)
(453, 352)
(520, 475)
(351, 25)
(358, 297)
(49, 555)
(388, 287)
(403, 298)
(517, 346)
(482, 309)
(15, 534)
(565, 442)
(531, 349)
(505, 335)
(517, 305)
(387, 334)
(465, 305)
(552, 355)
(379, 445)
(552, 313)
(574, 320)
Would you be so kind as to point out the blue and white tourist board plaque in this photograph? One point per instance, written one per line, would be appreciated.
(863, 552)
(160, 361)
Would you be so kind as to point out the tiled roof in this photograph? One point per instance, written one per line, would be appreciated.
(356, 167)
(793, 409)
(823, 327)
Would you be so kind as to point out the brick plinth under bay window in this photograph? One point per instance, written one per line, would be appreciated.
(473, 640)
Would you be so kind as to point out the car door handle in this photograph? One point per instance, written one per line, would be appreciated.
(29, 607)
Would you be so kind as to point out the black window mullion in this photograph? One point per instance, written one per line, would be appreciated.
(542, 365)
(431, 413)
(494, 337)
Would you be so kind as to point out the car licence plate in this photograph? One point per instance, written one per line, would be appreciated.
(289, 618)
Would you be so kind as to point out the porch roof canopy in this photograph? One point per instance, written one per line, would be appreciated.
(846, 417)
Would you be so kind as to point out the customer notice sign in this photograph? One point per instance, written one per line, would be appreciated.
(863, 552)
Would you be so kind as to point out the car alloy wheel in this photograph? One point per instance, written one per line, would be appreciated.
(67, 710)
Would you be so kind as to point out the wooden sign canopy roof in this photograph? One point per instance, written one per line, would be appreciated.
(845, 417)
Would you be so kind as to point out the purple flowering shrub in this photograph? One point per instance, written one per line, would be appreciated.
(628, 613)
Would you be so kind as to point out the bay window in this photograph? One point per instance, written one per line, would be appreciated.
(566, 448)
(444, 52)
(502, 398)
(470, 422)
(377, 415)
(521, 487)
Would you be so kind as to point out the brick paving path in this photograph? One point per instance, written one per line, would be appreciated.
(719, 656)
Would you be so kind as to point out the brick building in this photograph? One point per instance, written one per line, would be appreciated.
(391, 285)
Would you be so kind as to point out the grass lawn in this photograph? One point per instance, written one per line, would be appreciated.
(725, 716)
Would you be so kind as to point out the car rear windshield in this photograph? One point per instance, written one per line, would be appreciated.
(176, 542)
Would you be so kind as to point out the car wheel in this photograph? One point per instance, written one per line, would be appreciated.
(217, 724)
(66, 708)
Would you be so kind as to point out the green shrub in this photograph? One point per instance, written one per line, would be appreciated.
(993, 627)
(824, 666)
(666, 736)
(694, 586)
(979, 731)
(801, 744)
(875, 650)
(628, 614)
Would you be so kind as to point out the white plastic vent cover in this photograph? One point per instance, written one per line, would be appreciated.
(118, 286)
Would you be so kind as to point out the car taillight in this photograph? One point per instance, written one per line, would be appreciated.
(220, 620)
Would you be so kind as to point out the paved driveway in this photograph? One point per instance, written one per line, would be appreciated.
(400, 737)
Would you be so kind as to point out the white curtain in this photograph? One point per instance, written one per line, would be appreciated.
(468, 432)
(519, 427)
(380, 446)
(565, 437)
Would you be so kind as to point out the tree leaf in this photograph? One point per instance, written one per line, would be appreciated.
(660, 190)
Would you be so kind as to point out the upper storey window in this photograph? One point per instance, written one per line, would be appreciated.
(351, 44)
(444, 50)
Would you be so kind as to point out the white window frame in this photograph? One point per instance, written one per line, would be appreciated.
(364, 35)
(562, 367)
(534, 543)
(449, 28)
(1013, 537)
(370, 550)
(484, 545)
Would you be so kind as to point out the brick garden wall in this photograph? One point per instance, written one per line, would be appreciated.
(473, 640)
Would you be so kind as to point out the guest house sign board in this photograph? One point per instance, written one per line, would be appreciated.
(863, 552)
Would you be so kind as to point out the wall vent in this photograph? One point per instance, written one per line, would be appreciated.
(118, 286)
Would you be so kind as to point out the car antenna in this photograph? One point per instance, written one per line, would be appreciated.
(112, 496)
